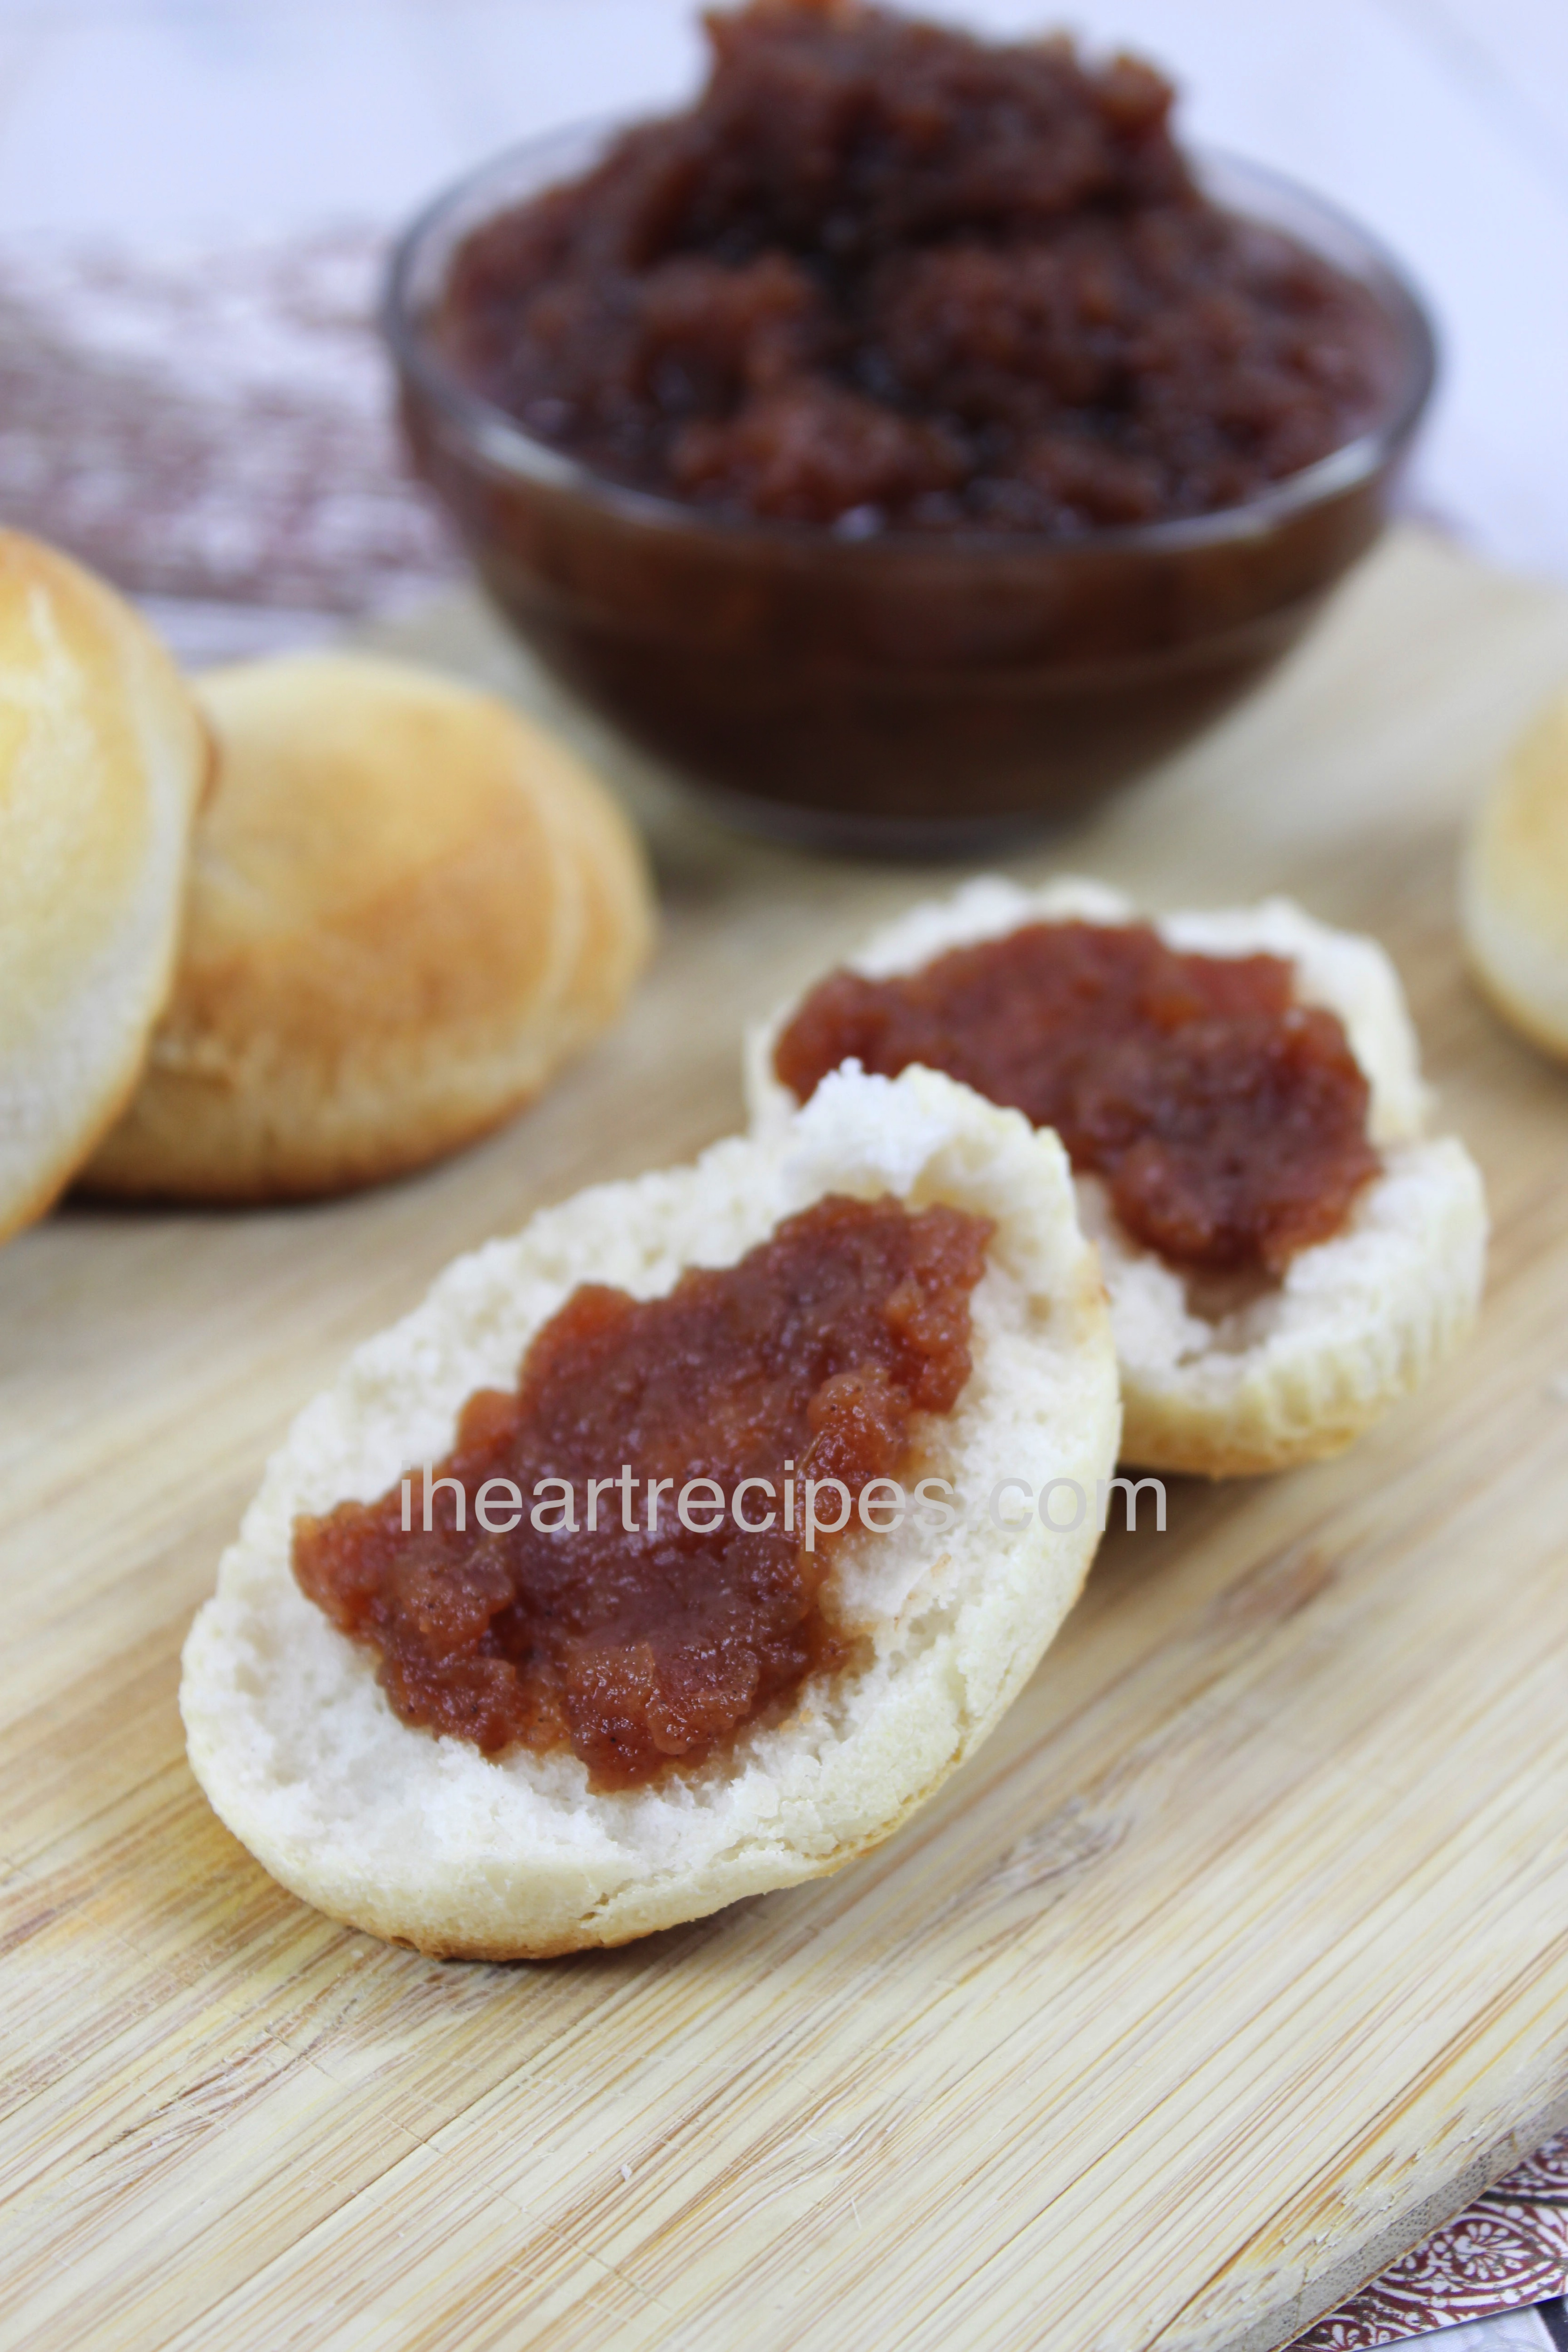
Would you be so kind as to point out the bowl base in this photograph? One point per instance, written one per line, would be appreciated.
(932, 764)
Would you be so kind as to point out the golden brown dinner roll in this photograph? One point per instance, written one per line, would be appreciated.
(103, 758)
(425, 1838)
(1514, 884)
(1221, 1382)
(407, 905)
(617, 921)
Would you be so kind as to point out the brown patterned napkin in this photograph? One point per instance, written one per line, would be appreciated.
(213, 432)
(1511, 2248)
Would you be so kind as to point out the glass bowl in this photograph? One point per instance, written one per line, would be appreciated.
(909, 692)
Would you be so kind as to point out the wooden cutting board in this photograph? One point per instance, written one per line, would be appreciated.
(1235, 1962)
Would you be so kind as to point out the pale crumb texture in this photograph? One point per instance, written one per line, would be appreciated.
(1513, 890)
(424, 1839)
(1227, 1386)
(102, 759)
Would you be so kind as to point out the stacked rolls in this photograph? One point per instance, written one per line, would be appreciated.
(301, 926)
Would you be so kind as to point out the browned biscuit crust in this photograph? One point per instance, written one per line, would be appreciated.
(103, 756)
(1514, 885)
(407, 905)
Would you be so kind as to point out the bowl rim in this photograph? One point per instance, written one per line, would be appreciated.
(503, 443)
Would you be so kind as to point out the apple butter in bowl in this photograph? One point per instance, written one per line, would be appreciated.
(909, 439)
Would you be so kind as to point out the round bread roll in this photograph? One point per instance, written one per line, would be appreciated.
(1227, 1381)
(102, 758)
(408, 905)
(1514, 892)
(424, 1839)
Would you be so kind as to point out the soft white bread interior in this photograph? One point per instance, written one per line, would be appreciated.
(408, 905)
(1514, 889)
(424, 1839)
(102, 760)
(1227, 1381)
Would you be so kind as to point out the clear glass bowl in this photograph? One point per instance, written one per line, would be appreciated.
(910, 692)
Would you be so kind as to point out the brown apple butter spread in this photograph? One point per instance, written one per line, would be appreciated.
(1228, 1123)
(640, 1645)
(884, 273)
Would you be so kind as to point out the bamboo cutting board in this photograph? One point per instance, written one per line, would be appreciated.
(1236, 1961)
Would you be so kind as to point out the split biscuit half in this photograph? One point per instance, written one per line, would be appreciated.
(408, 905)
(422, 1838)
(102, 760)
(1300, 1368)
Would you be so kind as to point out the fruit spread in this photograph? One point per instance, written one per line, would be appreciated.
(884, 274)
(1228, 1121)
(634, 1628)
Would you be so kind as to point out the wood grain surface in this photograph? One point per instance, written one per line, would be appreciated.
(1237, 1959)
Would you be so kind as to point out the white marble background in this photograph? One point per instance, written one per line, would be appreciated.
(1443, 124)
